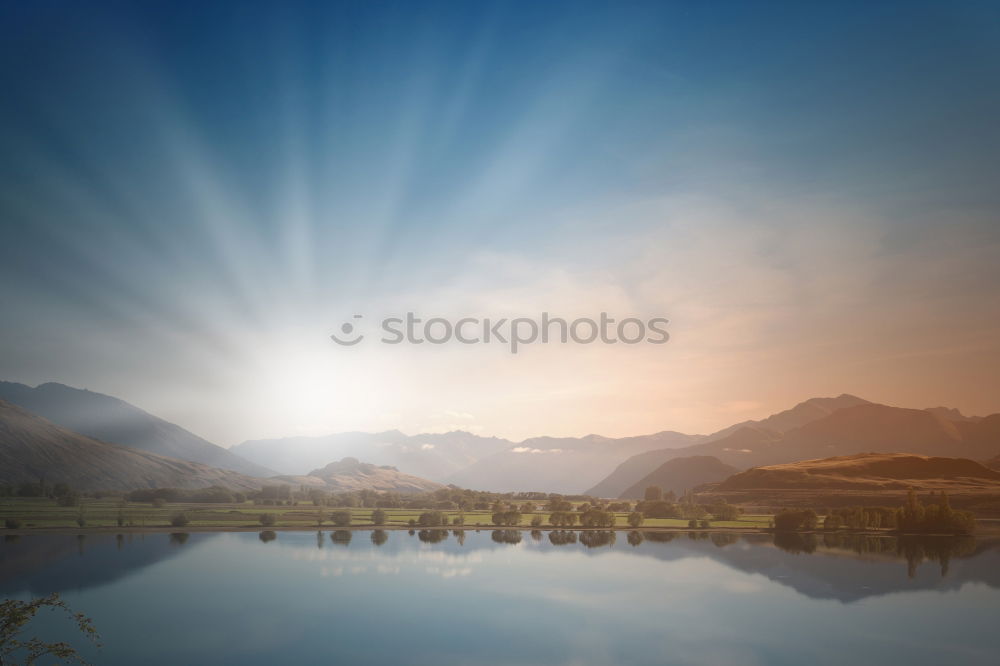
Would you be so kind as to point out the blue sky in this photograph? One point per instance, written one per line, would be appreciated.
(194, 194)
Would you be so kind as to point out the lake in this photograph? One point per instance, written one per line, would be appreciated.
(516, 597)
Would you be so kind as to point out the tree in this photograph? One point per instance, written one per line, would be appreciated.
(179, 519)
(341, 518)
(653, 493)
(597, 518)
(794, 521)
(432, 519)
(12, 523)
(562, 519)
(15, 616)
(507, 518)
(378, 517)
(536, 521)
(266, 519)
(658, 509)
(635, 519)
(724, 511)
(320, 516)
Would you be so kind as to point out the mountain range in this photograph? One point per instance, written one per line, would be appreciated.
(109, 419)
(351, 475)
(103, 427)
(33, 449)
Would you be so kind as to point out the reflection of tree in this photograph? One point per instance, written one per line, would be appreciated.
(697, 536)
(562, 537)
(178, 538)
(379, 537)
(659, 537)
(319, 540)
(635, 538)
(597, 539)
(341, 537)
(940, 549)
(795, 542)
(507, 536)
(432, 536)
(915, 549)
(459, 537)
(723, 539)
(536, 535)
(267, 536)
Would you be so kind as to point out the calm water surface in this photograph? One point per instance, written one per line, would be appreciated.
(515, 597)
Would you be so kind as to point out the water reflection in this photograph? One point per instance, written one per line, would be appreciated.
(432, 536)
(176, 538)
(506, 536)
(341, 537)
(598, 538)
(588, 597)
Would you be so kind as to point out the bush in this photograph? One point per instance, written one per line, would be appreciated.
(703, 524)
(12, 523)
(724, 511)
(793, 521)
(267, 519)
(69, 499)
(341, 518)
(692, 523)
(378, 517)
(179, 519)
(536, 521)
(507, 518)
(562, 519)
(597, 518)
(432, 519)
(635, 519)
(158, 502)
(658, 509)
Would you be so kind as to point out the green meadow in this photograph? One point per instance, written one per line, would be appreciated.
(42, 513)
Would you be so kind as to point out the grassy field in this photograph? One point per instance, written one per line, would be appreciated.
(35, 513)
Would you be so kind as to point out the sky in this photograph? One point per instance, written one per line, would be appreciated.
(194, 196)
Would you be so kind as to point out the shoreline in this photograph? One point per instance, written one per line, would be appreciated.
(167, 529)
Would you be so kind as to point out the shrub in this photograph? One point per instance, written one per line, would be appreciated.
(432, 519)
(12, 523)
(536, 521)
(341, 518)
(792, 521)
(378, 517)
(179, 519)
(703, 524)
(158, 502)
(635, 519)
(267, 519)
(692, 523)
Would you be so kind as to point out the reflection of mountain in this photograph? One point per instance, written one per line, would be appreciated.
(42, 563)
(846, 570)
